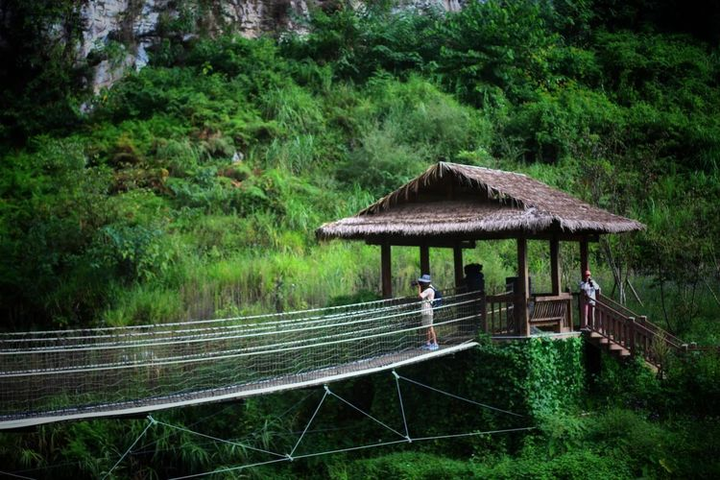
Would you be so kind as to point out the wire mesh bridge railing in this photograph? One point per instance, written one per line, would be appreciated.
(68, 374)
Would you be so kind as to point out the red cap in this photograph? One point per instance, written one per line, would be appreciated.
(587, 273)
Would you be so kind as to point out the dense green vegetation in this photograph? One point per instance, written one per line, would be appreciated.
(192, 188)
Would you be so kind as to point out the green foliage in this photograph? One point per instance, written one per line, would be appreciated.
(565, 125)
(575, 465)
(53, 206)
(192, 190)
(40, 76)
(629, 384)
(137, 251)
(693, 384)
(359, 44)
(541, 376)
(555, 379)
(496, 44)
(409, 125)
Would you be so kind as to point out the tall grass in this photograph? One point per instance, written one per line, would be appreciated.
(293, 108)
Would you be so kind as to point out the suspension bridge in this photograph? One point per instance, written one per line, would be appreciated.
(50, 376)
(79, 374)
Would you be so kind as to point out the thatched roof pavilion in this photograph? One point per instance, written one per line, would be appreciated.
(461, 201)
(453, 205)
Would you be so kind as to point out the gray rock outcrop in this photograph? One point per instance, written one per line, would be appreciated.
(123, 31)
(116, 35)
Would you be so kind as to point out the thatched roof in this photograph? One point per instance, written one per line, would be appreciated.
(460, 201)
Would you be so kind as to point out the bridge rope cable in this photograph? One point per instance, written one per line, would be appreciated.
(151, 422)
(406, 438)
(203, 357)
(459, 398)
(402, 407)
(114, 338)
(8, 336)
(230, 469)
(144, 449)
(299, 327)
(364, 413)
(320, 404)
(237, 444)
(55, 379)
(197, 326)
(204, 418)
(14, 475)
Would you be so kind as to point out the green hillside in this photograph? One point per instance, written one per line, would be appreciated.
(192, 188)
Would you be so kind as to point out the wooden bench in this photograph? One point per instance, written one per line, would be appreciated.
(551, 311)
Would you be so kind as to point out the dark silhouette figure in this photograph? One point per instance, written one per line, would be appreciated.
(474, 277)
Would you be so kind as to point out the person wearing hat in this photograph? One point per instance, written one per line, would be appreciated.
(589, 289)
(426, 292)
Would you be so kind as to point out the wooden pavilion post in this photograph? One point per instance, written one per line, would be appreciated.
(385, 270)
(458, 261)
(521, 306)
(584, 265)
(555, 266)
(424, 259)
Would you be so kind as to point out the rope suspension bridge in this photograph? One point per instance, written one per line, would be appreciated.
(51, 376)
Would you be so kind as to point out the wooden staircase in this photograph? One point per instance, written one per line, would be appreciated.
(603, 343)
(623, 334)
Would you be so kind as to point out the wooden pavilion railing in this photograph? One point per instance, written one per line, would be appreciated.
(633, 332)
(613, 322)
(553, 311)
(500, 318)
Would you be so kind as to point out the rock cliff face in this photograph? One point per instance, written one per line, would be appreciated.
(133, 26)
(116, 35)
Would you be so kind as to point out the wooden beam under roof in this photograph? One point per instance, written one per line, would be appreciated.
(469, 240)
(430, 243)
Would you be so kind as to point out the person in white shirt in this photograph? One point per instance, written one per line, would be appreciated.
(426, 292)
(589, 289)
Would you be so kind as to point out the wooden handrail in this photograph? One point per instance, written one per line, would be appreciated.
(616, 305)
(502, 298)
(547, 297)
(637, 334)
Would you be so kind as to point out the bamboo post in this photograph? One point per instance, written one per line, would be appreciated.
(483, 311)
(385, 270)
(424, 259)
(521, 313)
(555, 266)
(458, 261)
(584, 264)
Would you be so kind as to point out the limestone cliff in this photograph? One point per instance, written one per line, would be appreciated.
(112, 36)
(136, 25)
